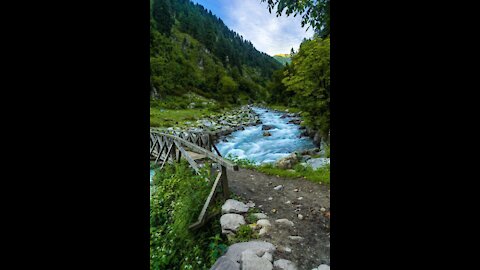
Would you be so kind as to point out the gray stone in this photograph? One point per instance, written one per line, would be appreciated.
(224, 263)
(260, 215)
(264, 223)
(234, 252)
(231, 222)
(234, 206)
(267, 127)
(283, 264)
(268, 256)
(279, 187)
(250, 261)
(316, 163)
(295, 237)
(287, 162)
(323, 267)
(284, 221)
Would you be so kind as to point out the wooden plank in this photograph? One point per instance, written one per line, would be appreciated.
(187, 157)
(217, 159)
(201, 217)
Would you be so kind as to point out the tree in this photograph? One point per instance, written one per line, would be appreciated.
(162, 14)
(309, 79)
(315, 13)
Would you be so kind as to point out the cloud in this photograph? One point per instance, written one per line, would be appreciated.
(268, 33)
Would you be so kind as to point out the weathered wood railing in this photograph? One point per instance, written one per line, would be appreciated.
(172, 146)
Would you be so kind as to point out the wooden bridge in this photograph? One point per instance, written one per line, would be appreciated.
(171, 146)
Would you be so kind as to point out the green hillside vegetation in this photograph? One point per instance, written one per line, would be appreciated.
(191, 50)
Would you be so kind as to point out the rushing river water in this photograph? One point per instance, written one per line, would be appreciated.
(251, 144)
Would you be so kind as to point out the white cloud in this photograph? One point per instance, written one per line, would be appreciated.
(268, 33)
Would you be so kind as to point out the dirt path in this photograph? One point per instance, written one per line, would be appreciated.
(314, 248)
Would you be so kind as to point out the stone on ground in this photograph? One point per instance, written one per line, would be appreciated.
(287, 162)
(268, 256)
(322, 267)
(250, 261)
(234, 252)
(316, 163)
(278, 187)
(260, 215)
(292, 237)
(264, 223)
(283, 264)
(284, 221)
(234, 206)
(231, 222)
(224, 263)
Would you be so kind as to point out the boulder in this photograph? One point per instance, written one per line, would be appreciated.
(316, 163)
(283, 264)
(268, 256)
(267, 127)
(267, 134)
(231, 222)
(260, 215)
(234, 252)
(234, 206)
(287, 162)
(250, 261)
(224, 263)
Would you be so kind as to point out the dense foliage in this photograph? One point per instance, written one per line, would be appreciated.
(191, 50)
(176, 201)
(315, 13)
(305, 84)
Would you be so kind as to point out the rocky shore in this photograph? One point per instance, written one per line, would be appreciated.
(221, 125)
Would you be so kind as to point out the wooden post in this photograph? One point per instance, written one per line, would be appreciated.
(226, 191)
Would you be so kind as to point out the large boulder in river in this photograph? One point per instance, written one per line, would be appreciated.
(267, 127)
(287, 162)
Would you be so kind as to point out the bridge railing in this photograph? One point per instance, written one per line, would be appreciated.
(172, 146)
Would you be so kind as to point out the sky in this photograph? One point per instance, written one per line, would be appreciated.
(251, 19)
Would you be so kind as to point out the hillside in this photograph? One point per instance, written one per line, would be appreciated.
(283, 58)
(192, 50)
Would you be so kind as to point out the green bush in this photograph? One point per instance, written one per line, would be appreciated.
(175, 204)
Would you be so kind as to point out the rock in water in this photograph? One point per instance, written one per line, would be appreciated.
(284, 265)
(234, 251)
(267, 127)
(250, 261)
(267, 134)
(231, 222)
(234, 206)
(224, 263)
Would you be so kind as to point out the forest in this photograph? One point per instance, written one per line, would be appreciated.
(192, 50)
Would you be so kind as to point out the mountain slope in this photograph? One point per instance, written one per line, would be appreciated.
(283, 58)
(193, 50)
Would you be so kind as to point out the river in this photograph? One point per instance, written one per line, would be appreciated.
(251, 144)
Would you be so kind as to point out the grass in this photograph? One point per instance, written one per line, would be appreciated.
(176, 110)
(175, 204)
(321, 175)
(169, 118)
(283, 108)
